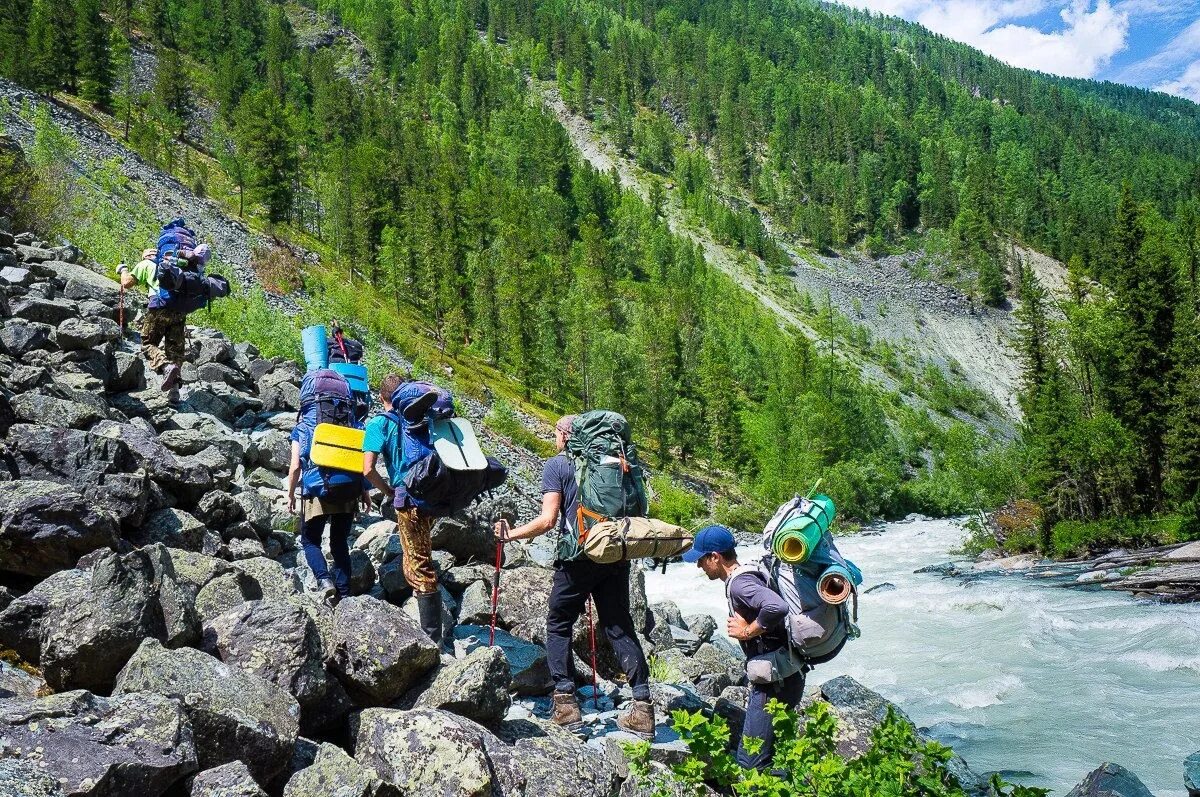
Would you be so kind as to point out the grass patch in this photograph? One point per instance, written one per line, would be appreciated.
(1072, 538)
(676, 504)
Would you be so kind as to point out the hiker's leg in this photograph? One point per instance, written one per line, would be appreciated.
(611, 595)
(416, 540)
(153, 331)
(176, 338)
(310, 541)
(758, 721)
(339, 546)
(567, 597)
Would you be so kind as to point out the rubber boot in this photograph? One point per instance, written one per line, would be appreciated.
(429, 607)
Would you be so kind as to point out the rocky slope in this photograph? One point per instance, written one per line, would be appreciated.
(158, 634)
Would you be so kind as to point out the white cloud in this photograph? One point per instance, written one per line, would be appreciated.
(1186, 85)
(1090, 37)
(1181, 50)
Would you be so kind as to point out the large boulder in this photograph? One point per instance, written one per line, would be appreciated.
(1110, 780)
(425, 752)
(174, 528)
(18, 682)
(1191, 774)
(524, 596)
(188, 481)
(86, 333)
(40, 408)
(24, 778)
(234, 715)
(279, 643)
(87, 638)
(475, 687)
(99, 746)
(99, 467)
(45, 527)
(228, 780)
(21, 621)
(526, 660)
(378, 650)
(333, 773)
(18, 338)
(551, 762)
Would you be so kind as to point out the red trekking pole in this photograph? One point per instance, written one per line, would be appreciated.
(121, 300)
(496, 582)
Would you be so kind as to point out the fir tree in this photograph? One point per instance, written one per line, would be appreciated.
(92, 54)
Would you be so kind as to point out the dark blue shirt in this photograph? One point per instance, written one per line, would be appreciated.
(559, 477)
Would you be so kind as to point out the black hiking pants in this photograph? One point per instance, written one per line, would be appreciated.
(608, 585)
(758, 721)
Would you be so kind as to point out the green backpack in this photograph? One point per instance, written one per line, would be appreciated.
(608, 473)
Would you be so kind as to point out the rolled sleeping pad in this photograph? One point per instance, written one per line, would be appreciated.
(835, 585)
(797, 537)
(316, 352)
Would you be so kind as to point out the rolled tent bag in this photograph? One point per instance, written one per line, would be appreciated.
(634, 538)
(316, 353)
(798, 533)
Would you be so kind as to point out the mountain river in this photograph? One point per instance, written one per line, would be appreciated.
(1020, 676)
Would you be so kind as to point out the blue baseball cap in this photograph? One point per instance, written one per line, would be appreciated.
(710, 539)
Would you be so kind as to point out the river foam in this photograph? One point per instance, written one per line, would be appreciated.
(1019, 675)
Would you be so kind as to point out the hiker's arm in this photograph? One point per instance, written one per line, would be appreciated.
(540, 524)
(369, 460)
(142, 271)
(772, 610)
(293, 477)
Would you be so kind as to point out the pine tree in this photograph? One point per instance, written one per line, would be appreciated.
(265, 143)
(14, 17)
(171, 90)
(44, 49)
(124, 100)
(91, 47)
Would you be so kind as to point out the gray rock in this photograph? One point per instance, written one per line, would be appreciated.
(524, 593)
(106, 747)
(218, 372)
(44, 311)
(220, 400)
(17, 682)
(702, 625)
(279, 391)
(234, 715)
(261, 477)
(42, 409)
(271, 449)
(21, 621)
(228, 780)
(684, 640)
(86, 333)
(666, 613)
(378, 650)
(219, 510)
(279, 643)
(459, 578)
(426, 752)
(22, 778)
(242, 548)
(173, 528)
(526, 661)
(391, 579)
(19, 338)
(45, 527)
(475, 687)
(549, 762)
(690, 669)
(257, 510)
(127, 372)
(20, 277)
(188, 481)
(1110, 780)
(34, 254)
(335, 774)
(713, 658)
(273, 582)
(89, 636)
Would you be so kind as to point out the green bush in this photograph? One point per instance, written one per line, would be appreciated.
(1072, 538)
(503, 420)
(898, 764)
(675, 504)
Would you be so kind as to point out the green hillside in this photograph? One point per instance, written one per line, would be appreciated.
(431, 179)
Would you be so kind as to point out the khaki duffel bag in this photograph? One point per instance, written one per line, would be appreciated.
(634, 538)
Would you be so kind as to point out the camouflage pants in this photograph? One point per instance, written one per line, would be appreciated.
(166, 327)
(415, 538)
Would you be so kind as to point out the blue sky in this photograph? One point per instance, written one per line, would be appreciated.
(1149, 43)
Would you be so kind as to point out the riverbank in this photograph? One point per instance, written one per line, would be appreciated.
(1018, 675)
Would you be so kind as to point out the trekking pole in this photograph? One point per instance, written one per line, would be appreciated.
(592, 634)
(496, 584)
(121, 299)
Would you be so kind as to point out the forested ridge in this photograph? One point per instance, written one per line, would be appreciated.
(440, 182)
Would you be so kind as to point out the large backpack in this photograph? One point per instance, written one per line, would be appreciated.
(184, 289)
(175, 240)
(324, 398)
(608, 474)
(434, 488)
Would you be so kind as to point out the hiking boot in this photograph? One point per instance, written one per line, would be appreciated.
(639, 719)
(171, 376)
(328, 592)
(566, 711)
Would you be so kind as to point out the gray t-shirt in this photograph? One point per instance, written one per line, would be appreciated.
(559, 477)
(751, 599)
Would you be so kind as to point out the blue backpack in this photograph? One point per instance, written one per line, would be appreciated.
(324, 398)
(174, 241)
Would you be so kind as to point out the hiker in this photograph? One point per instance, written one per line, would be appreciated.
(574, 582)
(176, 285)
(757, 616)
(384, 437)
(327, 497)
(342, 349)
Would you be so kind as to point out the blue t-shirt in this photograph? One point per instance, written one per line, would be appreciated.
(558, 476)
(381, 436)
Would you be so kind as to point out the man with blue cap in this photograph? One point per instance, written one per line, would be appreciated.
(757, 616)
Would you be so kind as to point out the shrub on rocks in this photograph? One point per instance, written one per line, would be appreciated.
(234, 715)
(379, 652)
(45, 528)
(127, 744)
(228, 780)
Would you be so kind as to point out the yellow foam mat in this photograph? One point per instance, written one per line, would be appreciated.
(337, 447)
